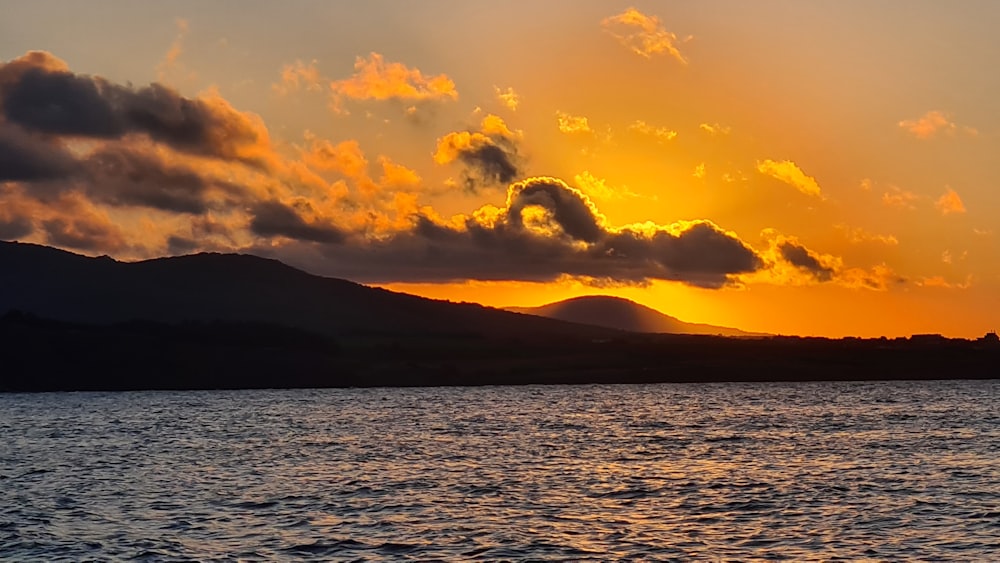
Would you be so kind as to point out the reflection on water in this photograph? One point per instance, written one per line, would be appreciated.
(803, 471)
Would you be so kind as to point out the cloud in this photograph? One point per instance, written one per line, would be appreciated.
(877, 278)
(396, 175)
(490, 154)
(900, 198)
(41, 97)
(375, 79)
(170, 63)
(273, 218)
(24, 156)
(800, 257)
(545, 231)
(699, 171)
(661, 134)
(345, 157)
(643, 35)
(789, 173)
(942, 283)
(714, 129)
(932, 123)
(788, 262)
(857, 235)
(572, 124)
(597, 188)
(167, 173)
(927, 125)
(123, 176)
(299, 76)
(950, 202)
(508, 97)
(75, 222)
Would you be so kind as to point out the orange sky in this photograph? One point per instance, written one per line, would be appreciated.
(787, 167)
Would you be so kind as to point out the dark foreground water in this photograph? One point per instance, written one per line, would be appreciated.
(881, 471)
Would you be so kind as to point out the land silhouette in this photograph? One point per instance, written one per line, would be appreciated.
(209, 321)
(623, 314)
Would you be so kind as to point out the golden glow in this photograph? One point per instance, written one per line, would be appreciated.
(871, 203)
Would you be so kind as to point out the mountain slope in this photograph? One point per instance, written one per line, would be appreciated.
(64, 286)
(621, 314)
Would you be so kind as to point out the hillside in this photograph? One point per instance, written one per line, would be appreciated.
(622, 314)
(63, 286)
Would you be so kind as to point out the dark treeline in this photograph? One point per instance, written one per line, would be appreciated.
(44, 355)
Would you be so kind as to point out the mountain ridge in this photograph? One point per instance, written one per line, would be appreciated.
(623, 314)
(62, 285)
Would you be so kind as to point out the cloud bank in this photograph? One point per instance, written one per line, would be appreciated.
(101, 167)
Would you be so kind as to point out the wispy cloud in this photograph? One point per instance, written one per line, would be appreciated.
(661, 134)
(950, 202)
(572, 123)
(858, 235)
(171, 61)
(643, 35)
(789, 173)
(376, 79)
(933, 123)
(598, 189)
(508, 97)
(900, 198)
(299, 76)
(714, 129)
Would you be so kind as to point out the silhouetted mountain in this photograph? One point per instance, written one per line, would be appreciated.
(63, 286)
(622, 314)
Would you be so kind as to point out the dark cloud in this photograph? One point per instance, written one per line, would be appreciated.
(14, 228)
(26, 157)
(82, 233)
(123, 176)
(800, 257)
(181, 245)
(271, 219)
(569, 208)
(490, 156)
(489, 164)
(503, 247)
(44, 98)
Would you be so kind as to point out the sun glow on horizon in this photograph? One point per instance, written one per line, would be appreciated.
(685, 158)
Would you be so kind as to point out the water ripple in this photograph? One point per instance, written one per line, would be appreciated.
(817, 471)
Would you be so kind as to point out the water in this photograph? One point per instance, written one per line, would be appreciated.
(881, 471)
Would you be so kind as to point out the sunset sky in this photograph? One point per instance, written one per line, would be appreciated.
(793, 167)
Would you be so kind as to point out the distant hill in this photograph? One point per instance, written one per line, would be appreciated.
(622, 314)
(63, 286)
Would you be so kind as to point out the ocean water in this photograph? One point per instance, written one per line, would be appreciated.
(810, 471)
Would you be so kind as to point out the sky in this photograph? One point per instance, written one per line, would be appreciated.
(790, 167)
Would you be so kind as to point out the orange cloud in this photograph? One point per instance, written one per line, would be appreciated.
(572, 124)
(898, 197)
(950, 202)
(932, 123)
(857, 235)
(375, 79)
(299, 76)
(789, 173)
(397, 176)
(508, 97)
(941, 283)
(345, 157)
(715, 129)
(170, 64)
(643, 35)
(597, 188)
(661, 134)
